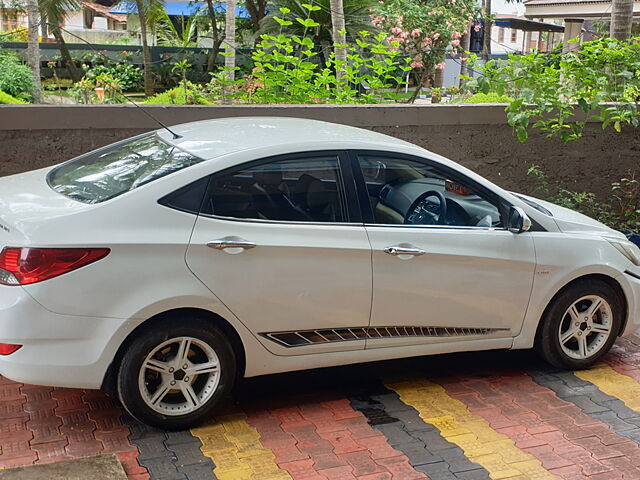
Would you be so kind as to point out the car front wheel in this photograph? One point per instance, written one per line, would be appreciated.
(581, 325)
(174, 372)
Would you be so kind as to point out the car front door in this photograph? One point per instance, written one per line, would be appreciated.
(278, 242)
(444, 267)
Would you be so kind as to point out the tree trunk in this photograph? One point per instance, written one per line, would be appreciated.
(464, 63)
(339, 37)
(257, 11)
(33, 48)
(146, 53)
(68, 62)
(421, 76)
(486, 38)
(216, 38)
(230, 48)
(621, 19)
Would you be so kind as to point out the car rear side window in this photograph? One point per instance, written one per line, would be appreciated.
(111, 171)
(295, 190)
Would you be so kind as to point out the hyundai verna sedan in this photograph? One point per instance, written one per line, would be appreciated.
(164, 266)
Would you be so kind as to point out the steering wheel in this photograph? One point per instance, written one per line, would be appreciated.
(423, 212)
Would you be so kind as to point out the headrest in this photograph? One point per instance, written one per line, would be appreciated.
(273, 177)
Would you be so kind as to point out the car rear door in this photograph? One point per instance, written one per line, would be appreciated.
(280, 243)
(465, 279)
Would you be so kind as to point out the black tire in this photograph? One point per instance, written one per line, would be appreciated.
(149, 339)
(548, 343)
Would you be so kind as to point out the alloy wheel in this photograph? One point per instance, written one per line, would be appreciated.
(585, 327)
(179, 376)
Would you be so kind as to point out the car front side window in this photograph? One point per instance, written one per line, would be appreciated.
(403, 191)
(303, 189)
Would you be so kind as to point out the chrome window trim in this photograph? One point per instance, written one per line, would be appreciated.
(283, 222)
(436, 227)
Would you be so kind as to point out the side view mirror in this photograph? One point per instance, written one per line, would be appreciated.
(518, 220)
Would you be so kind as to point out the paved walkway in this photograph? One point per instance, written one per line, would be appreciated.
(492, 415)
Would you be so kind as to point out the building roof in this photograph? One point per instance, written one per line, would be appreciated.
(527, 25)
(572, 8)
(176, 9)
(104, 11)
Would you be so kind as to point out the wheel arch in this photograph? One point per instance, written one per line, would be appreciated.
(612, 282)
(109, 380)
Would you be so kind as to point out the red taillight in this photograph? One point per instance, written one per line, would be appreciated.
(22, 266)
(8, 349)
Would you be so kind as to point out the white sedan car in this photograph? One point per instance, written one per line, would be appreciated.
(166, 265)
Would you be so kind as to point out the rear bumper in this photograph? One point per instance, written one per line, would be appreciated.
(58, 350)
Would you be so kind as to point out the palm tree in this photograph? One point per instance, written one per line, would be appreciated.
(169, 35)
(53, 13)
(230, 48)
(33, 48)
(339, 37)
(621, 19)
(486, 34)
(146, 9)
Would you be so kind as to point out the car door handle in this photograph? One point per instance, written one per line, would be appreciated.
(403, 251)
(222, 244)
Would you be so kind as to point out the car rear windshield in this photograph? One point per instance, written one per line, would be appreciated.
(117, 169)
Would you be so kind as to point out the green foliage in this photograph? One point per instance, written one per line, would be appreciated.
(287, 69)
(620, 211)
(194, 94)
(556, 92)
(128, 77)
(313, 19)
(15, 77)
(490, 97)
(7, 99)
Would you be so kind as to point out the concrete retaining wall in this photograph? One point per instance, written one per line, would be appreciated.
(475, 135)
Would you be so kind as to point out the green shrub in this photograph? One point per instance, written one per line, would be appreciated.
(7, 99)
(490, 97)
(126, 75)
(15, 78)
(175, 96)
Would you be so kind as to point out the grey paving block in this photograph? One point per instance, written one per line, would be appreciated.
(614, 421)
(162, 469)
(587, 405)
(417, 453)
(480, 474)
(198, 472)
(152, 447)
(437, 471)
(181, 437)
(189, 454)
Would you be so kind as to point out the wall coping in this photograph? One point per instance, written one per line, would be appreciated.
(63, 117)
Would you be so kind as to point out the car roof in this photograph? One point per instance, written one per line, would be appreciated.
(214, 138)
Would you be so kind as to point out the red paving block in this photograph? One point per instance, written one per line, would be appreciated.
(362, 463)
(12, 410)
(400, 468)
(301, 469)
(84, 449)
(129, 461)
(328, 460)
(69, 401)
(376, 476)
(342, 442)
(139, 476)
(12, 427)
(10, 391)
(52, 451)
(18, 461)
(548, 457)
(338, 473)
(342, 409)
(359, 428)
(115, 441)
(379, 448)
(521, 437)
(45, 431)
(37, 394)
(107, 420)
(572, 472)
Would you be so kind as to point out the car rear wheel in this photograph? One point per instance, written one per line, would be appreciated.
(581, 325)
(174, 373)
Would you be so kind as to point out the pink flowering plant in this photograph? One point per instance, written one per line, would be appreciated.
(426, 31)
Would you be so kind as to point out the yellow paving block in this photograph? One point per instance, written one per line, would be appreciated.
(495, 452)
(613, 383)
(236, 450)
